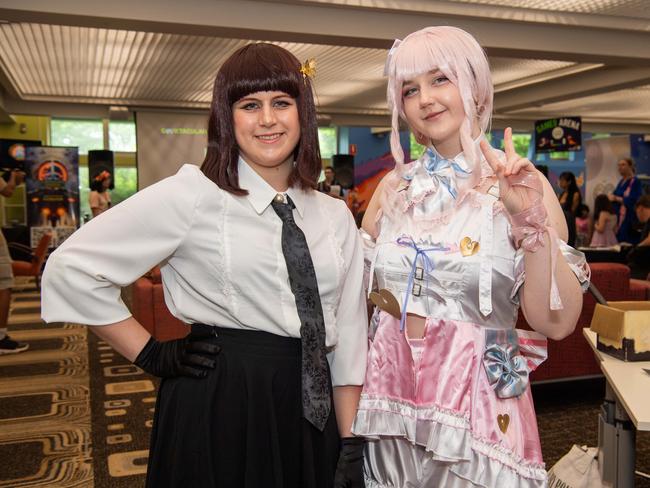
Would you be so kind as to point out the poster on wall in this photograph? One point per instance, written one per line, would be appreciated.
(12, 155)
(559, 134)
(52, 192)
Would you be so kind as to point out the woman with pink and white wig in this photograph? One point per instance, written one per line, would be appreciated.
(455, 242)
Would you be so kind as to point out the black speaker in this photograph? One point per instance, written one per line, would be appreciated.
(100, 160)
(344, 168)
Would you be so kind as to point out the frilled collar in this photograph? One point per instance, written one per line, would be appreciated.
(260, 193)
(432, 174)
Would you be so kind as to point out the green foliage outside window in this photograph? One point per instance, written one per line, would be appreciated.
(85, 134)
(564, 155)
(521, 143)
(417, 150)
(126, 183)
(88, 135)
(327, 141)
(121, 136)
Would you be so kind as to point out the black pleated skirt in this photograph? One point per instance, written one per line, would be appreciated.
(242, 425)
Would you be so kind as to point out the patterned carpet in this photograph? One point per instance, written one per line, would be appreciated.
(73, 413)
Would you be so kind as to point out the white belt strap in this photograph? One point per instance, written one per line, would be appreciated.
(486, 251)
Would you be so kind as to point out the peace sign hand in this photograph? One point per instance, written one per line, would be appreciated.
(515, 195)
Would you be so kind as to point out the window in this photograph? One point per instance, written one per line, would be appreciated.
(84, 208)
(327, 141)
(85, 134)
(521, 143)
(126, 183)
(416, 149)
(121, 136)
(88, 135)
(561, 155)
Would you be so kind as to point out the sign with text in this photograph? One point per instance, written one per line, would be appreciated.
(560, 134)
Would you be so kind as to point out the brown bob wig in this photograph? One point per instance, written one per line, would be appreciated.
(254, 68)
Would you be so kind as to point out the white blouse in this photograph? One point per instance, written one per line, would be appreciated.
(99, 200)
(221, 262)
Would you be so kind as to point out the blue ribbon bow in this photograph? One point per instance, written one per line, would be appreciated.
(427, 266)
(443, 170)
(506, 369)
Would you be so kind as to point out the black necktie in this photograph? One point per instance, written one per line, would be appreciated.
(316, 396)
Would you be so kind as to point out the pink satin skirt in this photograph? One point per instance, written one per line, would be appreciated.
(434, 420)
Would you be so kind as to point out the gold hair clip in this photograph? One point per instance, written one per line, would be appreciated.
(308, 69)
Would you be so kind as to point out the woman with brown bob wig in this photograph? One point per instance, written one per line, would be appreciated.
(266, 270)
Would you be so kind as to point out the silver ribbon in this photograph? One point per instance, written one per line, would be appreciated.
(506, 369)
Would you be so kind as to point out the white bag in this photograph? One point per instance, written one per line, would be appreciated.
(577, 469)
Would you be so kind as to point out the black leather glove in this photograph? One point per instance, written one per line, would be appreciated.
(349, 470)
(191, 356)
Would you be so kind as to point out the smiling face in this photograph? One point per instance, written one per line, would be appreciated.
(434, 109)
(267, 129)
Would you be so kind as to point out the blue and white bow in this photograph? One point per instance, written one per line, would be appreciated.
(506, 369)
(426, 178)
(444, 171)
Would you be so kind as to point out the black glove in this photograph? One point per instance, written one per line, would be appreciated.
(191, 356)
(349, 470)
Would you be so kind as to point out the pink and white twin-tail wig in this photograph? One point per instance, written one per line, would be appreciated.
(462, 60)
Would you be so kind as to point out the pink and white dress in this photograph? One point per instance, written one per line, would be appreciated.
(452, 409)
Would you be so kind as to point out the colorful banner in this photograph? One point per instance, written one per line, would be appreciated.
(52, 192)
(561, 134)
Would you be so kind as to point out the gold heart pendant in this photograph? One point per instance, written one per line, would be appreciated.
(385, 300)
(503, 421)
(468, 247)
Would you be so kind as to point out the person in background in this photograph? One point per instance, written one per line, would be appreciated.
(269, 273)
(568, 216)
(627, 192)
(583, 226)
(604, 223)
(643, 214)
(330, 185)
(638, 259)
(570, 198)
(7, 344)
(99, 198)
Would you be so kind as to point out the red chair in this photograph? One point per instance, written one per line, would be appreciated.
(572, 357)
(33, 267)
(149, 308)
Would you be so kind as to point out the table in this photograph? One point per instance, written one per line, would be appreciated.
(626, 409)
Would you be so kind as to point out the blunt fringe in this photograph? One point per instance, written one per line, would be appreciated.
(250, 69)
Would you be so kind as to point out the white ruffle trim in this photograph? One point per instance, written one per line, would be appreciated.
(447, 436)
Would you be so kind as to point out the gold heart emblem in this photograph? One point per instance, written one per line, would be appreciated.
(468, 247)
(385, 300)
(503, 421)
